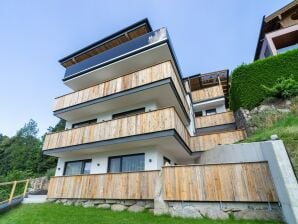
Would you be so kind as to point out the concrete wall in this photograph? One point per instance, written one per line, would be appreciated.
(99, 164)
(280, 166)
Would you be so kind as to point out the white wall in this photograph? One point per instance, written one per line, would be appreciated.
(108, 115)
(99, 164)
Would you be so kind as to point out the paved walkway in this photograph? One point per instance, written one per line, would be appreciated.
(35, 199)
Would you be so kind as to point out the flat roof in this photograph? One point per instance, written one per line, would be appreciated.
(133, 31)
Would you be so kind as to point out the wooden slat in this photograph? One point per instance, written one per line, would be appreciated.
(132, 80)
(207, 93)
(250, 182)
(137, 185)
(216, 119)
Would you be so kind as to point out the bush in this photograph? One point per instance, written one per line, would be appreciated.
(247, 80)
(283, 88)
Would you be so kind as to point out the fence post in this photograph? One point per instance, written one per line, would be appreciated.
(26, 187)
(12, 192)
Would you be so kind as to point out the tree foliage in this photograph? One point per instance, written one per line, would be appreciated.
(21, 155)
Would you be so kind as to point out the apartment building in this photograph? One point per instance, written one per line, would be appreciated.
(279, 32)
(131, 110)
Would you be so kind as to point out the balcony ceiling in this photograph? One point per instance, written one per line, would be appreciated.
(135, 62)
(161, 93)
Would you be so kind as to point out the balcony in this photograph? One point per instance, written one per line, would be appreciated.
(207, 93)
(158, 83)
(133, 55)
(162, 127)
(215, 120)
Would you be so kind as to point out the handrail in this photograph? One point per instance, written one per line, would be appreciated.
(13, 189)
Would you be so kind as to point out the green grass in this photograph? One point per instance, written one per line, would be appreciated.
(49, 213)
(287, 130)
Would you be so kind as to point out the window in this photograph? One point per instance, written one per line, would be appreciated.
(77, 167)
(84, 123)
(199, 114)
(210, 111)
(126, 163)
(166, 160)
(130, 112)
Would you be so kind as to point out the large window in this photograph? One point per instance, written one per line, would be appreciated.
(127, 163)
(77, 167)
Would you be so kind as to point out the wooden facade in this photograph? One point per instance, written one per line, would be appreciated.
(207, 93)
(136, 185)
(143, 123)
(245, 182)
(209, 141)
(136, 79)
(214, 120)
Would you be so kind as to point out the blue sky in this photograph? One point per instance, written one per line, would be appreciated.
(207, 35)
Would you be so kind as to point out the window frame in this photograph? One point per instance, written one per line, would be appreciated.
(128, 113)
(121, 160)
(84, 161)
(212, 109)
(87, 122)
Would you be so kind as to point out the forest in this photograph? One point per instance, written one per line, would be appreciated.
(21, 155)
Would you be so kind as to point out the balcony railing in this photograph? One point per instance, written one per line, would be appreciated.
(208, 141)
(215, 119)
(207, 93)
(116, 52)
(143, 123)
(136, 79)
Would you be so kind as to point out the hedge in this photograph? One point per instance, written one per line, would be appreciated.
(246, 81)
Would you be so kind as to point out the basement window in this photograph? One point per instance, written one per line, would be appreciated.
(129, 112)
(77, 167)
(126, 163)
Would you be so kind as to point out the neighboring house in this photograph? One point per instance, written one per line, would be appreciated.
(130, 109)
(279, 32)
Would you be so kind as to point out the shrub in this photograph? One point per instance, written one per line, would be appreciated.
(283, 88)
(247, 80)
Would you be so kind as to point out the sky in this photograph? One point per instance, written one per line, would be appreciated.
(207, 35)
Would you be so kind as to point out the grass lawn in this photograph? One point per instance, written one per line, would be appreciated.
(50, 213)
(287, 130)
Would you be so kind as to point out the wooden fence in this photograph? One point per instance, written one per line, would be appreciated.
(249, 182)
(215, 119)
(11, 190)
(245, 182)
(129, 81)
(134, 185)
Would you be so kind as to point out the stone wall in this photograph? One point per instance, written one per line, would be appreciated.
(212, 210)
(115, 205)
(39, 185)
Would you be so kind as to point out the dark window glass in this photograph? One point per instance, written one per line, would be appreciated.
(211, 111)
(127, 113)
(127, 163)
(199, 114)
(115, 165)
(84, 123)
(77, 167)
(166, 160)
